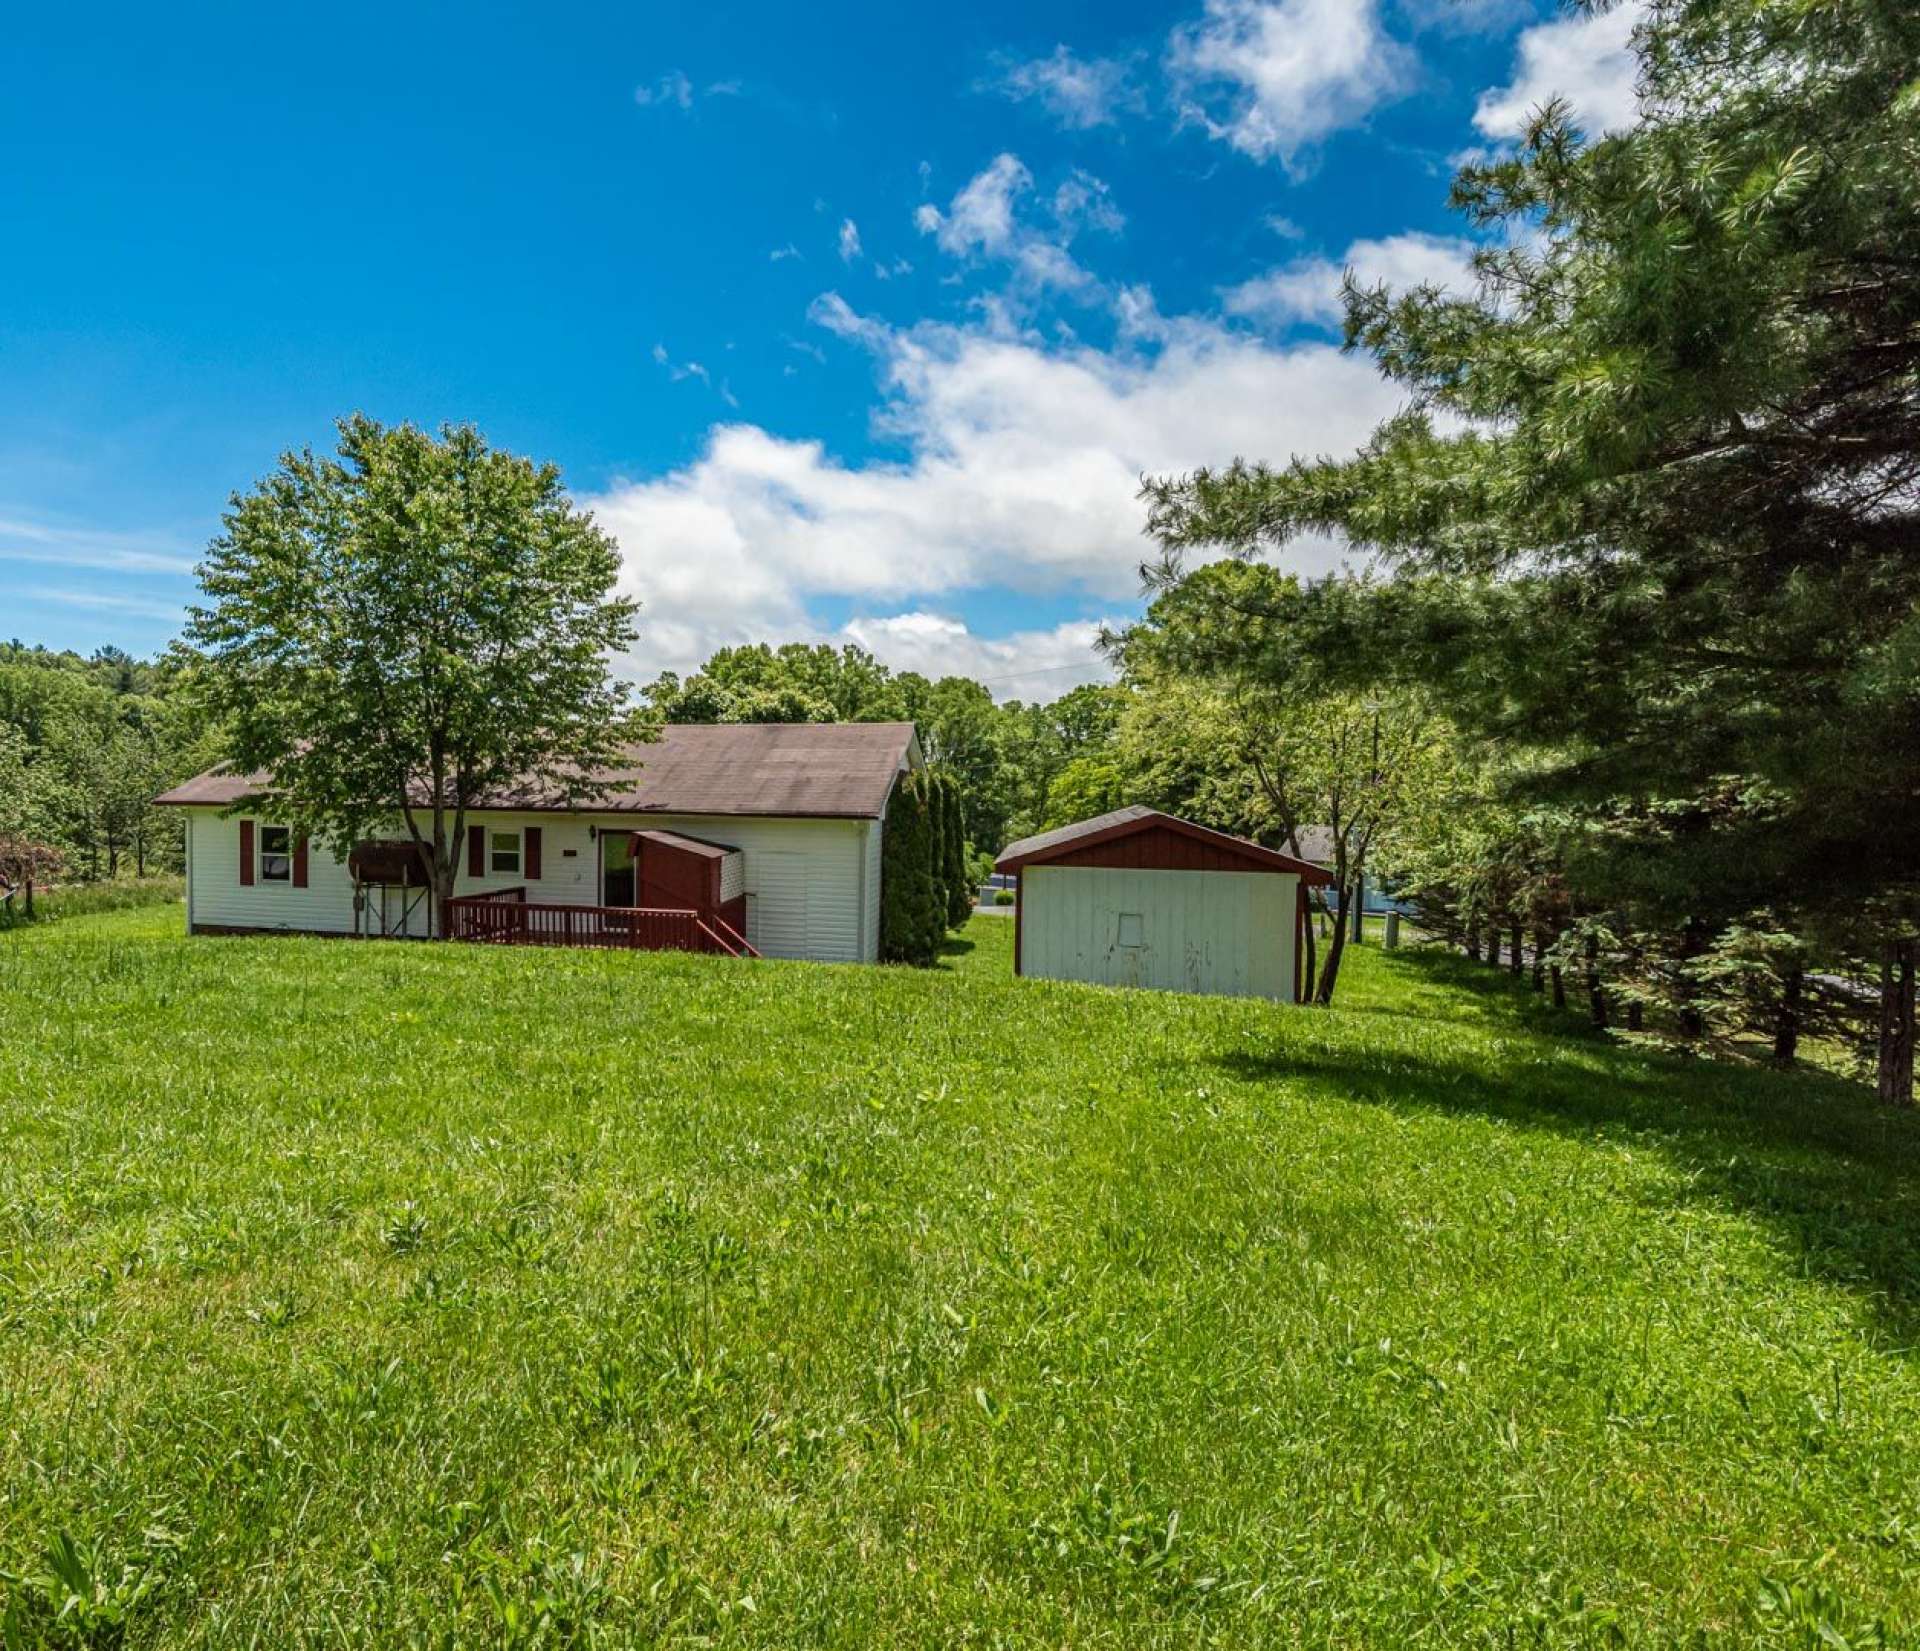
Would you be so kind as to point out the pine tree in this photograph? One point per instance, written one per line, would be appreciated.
(1651, 515)
(958, 887)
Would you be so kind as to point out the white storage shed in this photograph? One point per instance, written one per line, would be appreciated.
(1142, 898)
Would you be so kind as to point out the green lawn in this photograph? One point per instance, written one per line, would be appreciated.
(442, 1296)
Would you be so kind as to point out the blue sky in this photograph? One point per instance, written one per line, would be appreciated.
(850, 321)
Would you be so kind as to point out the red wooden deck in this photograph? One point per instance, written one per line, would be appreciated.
(506, 918)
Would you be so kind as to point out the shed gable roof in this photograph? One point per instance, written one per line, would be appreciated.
(1098, 841)
(828, 770)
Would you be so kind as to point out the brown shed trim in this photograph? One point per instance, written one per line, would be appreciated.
(1019, 906)
(1147, 840)
(530, 864)
(686, 845)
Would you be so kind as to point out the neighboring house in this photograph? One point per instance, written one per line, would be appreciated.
(804, 804)
(1316, 847)
(1141, 898)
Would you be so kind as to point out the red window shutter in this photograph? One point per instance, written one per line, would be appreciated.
(246, 851)
(476, 851)
(532, 866)
(300, 861)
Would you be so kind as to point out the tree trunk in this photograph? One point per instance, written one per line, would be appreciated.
(1896, 1023)
(1596, 997)
(1517, 962)
(1636, 1015)
(1693, 941)
(1473, 944)
(140, 854)
(1786, 1017)
(1330, 972)
(443, 885)
(1539, 960)
(1559, 986)
(1307, 974)
(29, 895)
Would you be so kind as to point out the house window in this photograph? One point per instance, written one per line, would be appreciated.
(1132, 929)
(503, 853)
(276, 854)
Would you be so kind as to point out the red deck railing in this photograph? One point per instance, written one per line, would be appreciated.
(506, 918)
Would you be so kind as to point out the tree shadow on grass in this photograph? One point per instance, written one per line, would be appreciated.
(1816, 1159)
(954, 946)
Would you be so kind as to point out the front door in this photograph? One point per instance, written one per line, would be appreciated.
(616, 868)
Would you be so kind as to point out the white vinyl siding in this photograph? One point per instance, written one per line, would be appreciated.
(1224, 932)
(870, 892)
(822, 859)
(804, 880)
(216, 897)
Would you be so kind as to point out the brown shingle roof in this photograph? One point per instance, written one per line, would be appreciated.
(827, 770)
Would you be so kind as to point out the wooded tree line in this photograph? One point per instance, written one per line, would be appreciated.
(85, 746)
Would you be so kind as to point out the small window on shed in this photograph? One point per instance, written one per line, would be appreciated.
(276, 854)
(1133, 929)
(503, 852)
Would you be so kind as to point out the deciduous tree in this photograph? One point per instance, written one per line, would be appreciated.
(402, 630)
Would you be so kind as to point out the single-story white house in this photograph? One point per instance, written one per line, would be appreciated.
(1141, 898)
(789, 815)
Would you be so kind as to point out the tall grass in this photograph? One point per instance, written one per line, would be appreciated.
(391, 1294)
(92, 899)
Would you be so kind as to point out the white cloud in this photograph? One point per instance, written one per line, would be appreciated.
(105, 551)
(1083, 202)
(672, 89)
(1586, 58)
(984, 219)
(1464, 16)
(849, 240)
(1308, 289)
(1040, 664)
(1019, 468)
(135, 607)
(980, 218)
(1080, 93)
(781, 254)
(1274, 77)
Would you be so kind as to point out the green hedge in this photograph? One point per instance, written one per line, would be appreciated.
(912, 906)
(924, 886)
